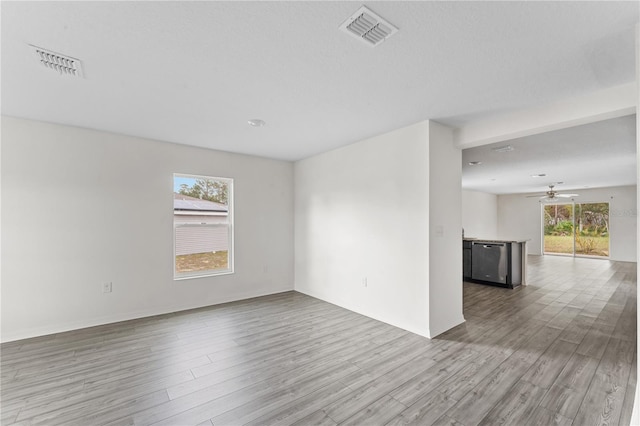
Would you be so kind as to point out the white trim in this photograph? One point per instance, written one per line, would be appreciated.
(129, 316)
(635, 414)
(199, 213)
(203, 274)
(419, 331)
(434, 333)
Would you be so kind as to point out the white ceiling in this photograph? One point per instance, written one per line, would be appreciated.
(195, 72)
(594, 155)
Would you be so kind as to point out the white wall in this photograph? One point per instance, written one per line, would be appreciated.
(445, 222)
(479, 214)
(364, 212)
(520, 217)
(82, 207)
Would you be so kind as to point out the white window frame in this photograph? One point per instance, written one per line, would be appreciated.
(229, 225)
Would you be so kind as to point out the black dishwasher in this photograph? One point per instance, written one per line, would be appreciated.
(489, 262)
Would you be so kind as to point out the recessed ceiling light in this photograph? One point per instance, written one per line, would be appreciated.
(256, 122)
(475, 163)
(539, 175)
(505, 148)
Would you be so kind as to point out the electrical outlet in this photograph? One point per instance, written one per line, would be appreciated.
(364, 281)
(107, 287)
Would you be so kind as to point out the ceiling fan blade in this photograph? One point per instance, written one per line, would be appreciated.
(567, 195)
(536, 196)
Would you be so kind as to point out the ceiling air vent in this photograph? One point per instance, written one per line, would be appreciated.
(368, 27)
(58, 62)
(506, 148)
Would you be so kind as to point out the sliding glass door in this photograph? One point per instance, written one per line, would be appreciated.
(592, 229)
(558, 229)
(576, 229)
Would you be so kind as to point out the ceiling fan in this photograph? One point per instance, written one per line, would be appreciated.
(552, 195)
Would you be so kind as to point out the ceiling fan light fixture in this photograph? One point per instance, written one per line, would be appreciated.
(552, 195)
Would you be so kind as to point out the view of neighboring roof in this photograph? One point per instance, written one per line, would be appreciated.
(185, 203)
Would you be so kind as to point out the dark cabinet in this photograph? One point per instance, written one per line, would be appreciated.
(466, 259)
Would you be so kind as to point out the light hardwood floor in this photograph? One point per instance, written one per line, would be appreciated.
(560, 351)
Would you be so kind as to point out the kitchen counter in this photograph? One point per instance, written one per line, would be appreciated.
(482, 240)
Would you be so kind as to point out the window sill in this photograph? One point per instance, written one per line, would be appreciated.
(190, 277)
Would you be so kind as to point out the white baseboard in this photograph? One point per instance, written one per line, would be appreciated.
(407, 327)
(438, 331)
(125, 316)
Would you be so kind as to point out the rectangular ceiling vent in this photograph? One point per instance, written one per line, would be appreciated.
(368, 27)
(506, 148)
(63, 64)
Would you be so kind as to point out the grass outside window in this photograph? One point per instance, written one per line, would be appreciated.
(563, 244)
(195, 262)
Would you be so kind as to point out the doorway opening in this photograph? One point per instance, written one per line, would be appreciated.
(576, 229)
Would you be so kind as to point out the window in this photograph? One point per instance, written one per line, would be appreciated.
(576, 229)
(202, 226)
